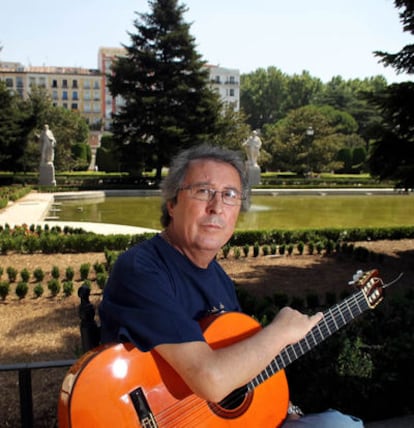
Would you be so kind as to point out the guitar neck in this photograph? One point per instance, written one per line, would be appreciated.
(334, 318)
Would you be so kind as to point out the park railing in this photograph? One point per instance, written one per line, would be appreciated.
(25, 384)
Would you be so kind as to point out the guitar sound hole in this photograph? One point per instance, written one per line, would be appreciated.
(234, 399)
(234, 405)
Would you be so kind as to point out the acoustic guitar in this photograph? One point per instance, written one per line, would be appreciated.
(117, 385)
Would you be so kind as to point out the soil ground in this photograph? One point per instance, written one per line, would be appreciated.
(46, 328)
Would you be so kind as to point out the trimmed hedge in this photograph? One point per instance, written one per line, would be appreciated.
(24, 239)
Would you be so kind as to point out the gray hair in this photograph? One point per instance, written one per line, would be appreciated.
(171, 184)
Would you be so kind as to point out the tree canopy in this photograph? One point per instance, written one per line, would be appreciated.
(169, 104)
(392, 153)
(21, 122)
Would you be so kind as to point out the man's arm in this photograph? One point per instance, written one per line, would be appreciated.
(213, 374)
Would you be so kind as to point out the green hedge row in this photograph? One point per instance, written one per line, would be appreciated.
(34, 239)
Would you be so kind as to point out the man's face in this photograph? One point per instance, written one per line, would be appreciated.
(205, 225)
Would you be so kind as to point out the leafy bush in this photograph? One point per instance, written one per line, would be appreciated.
(67, 288)
(311, 247)
(319, 247)
(38, 274)
(12, 273)
(246, 249)
(225, 250)
(236, 252)
(54, 286)
(25, 275)
(98, 267)
(84, 270)
(4, 289)
(87, 283)
(38, 290)
(21, 289)
(55, 272)
(266, 250)
(101, 279)
(69, 273)
(256, 249)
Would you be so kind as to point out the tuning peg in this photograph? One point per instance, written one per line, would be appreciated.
(356, 277)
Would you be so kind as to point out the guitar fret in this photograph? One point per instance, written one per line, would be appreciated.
(349, 309)
(359, 306)
(334, 318)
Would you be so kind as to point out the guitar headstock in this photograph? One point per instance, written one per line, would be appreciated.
(370, 284)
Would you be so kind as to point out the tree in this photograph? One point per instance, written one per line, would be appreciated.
(262, 96)
(169, 104)
(15, 125)
(402, 61)
(304, 141)
(69, 128)
(392, 154)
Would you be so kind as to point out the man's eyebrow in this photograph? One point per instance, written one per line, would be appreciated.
(208, 183)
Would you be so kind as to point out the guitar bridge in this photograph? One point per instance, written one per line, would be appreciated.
(144, 413)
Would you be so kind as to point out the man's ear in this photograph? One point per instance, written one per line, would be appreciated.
(170, 207)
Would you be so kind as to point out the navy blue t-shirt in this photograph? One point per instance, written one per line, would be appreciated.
(156, 295)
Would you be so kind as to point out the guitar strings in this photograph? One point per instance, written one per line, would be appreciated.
(348, 309)
(193, 407)
(184, 415)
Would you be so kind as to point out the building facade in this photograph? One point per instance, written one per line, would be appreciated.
(86, 91)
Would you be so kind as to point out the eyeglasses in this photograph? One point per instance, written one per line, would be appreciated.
(203, 193)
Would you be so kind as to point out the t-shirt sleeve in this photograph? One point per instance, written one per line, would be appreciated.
(140, 305)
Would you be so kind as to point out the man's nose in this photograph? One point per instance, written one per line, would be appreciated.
(216, 203)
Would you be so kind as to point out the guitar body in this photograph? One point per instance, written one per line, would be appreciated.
(118, 385)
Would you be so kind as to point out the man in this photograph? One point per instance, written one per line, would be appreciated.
(160, 289)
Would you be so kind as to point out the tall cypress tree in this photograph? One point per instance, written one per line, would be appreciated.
(169, 104)
(393, 151)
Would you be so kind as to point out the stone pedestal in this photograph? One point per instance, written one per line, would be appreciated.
(47, 174)
(253, 174)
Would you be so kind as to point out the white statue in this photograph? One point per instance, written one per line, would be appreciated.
(48, 143)
(252, 145)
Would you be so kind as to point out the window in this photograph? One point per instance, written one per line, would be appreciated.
(75, 84)
(96, 95)
(74, 106)
(232, 80)
(96, 107)
(42, 82)
(231, 92)
(55, 95)
(87, 95)
(96, 85)
(87, 107)
(9, 82)
(64, 83)
(19, 82)
(32, 82)
(75, 95)
(64, 95)
(54, 83)
(86, 84)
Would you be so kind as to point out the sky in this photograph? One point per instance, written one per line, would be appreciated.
(327, 38)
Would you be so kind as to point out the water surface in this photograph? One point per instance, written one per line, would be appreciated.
(275, 212)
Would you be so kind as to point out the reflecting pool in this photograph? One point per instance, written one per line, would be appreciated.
(276, 212)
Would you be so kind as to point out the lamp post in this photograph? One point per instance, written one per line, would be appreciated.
(310, 132)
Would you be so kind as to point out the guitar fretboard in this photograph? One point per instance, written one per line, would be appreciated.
(334, 318)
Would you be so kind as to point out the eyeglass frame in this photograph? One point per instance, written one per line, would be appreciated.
(212, 194)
